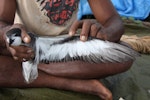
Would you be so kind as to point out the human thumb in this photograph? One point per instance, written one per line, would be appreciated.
(25, 37)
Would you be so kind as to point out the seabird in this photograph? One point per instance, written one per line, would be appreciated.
(64, 48)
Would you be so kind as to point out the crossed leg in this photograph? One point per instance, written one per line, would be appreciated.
(11, 76)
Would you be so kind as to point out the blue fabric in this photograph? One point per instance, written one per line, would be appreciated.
(138, 9)
(84, 9)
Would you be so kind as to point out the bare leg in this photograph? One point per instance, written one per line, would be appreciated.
(85, 70)
(11, 76)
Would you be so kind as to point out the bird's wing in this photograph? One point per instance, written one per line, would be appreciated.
(93, 51)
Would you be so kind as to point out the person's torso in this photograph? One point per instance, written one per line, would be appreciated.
(47, 17)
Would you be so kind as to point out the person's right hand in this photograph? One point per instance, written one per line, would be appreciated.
(21, 53)
(89, 27)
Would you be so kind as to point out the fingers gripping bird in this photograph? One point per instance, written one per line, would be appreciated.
(64, 48)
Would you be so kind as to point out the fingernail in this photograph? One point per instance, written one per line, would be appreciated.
(26, 39)
(29, 51)
(83, 38)
(24, 60)
(15, 58)
(71, 33)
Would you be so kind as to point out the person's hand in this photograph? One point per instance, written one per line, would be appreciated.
(90, 27)
(21, 53)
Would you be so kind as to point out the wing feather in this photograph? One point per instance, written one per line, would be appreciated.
(93, 51)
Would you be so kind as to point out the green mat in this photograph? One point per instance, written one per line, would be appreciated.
(131, 85)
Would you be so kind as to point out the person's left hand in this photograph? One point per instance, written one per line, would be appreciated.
(19, 52)
(90, 27)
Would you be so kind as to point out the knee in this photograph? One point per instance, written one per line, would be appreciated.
(123, 67)
(127, 65)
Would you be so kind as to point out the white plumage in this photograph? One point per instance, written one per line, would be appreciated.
(64, 48)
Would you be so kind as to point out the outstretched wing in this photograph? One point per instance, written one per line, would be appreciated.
(93, 51)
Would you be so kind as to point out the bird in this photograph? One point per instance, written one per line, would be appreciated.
(65, 48)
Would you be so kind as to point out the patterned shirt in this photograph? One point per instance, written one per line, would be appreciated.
(47, 17)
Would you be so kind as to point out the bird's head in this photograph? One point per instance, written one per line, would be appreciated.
(13, 37)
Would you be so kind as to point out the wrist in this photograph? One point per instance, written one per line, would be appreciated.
(103, 34)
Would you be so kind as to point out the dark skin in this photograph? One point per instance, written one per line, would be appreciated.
(84, 76)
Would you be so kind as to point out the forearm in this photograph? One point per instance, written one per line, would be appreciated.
(109, 18)
(84, 70)
(7, 10)
(3, 28)
(7, 14)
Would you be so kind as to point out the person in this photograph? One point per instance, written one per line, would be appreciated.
(51, 18)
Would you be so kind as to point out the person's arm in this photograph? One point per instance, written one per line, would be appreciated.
(107, 25)
(106, 14)
(7, 15)
(7, 10)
